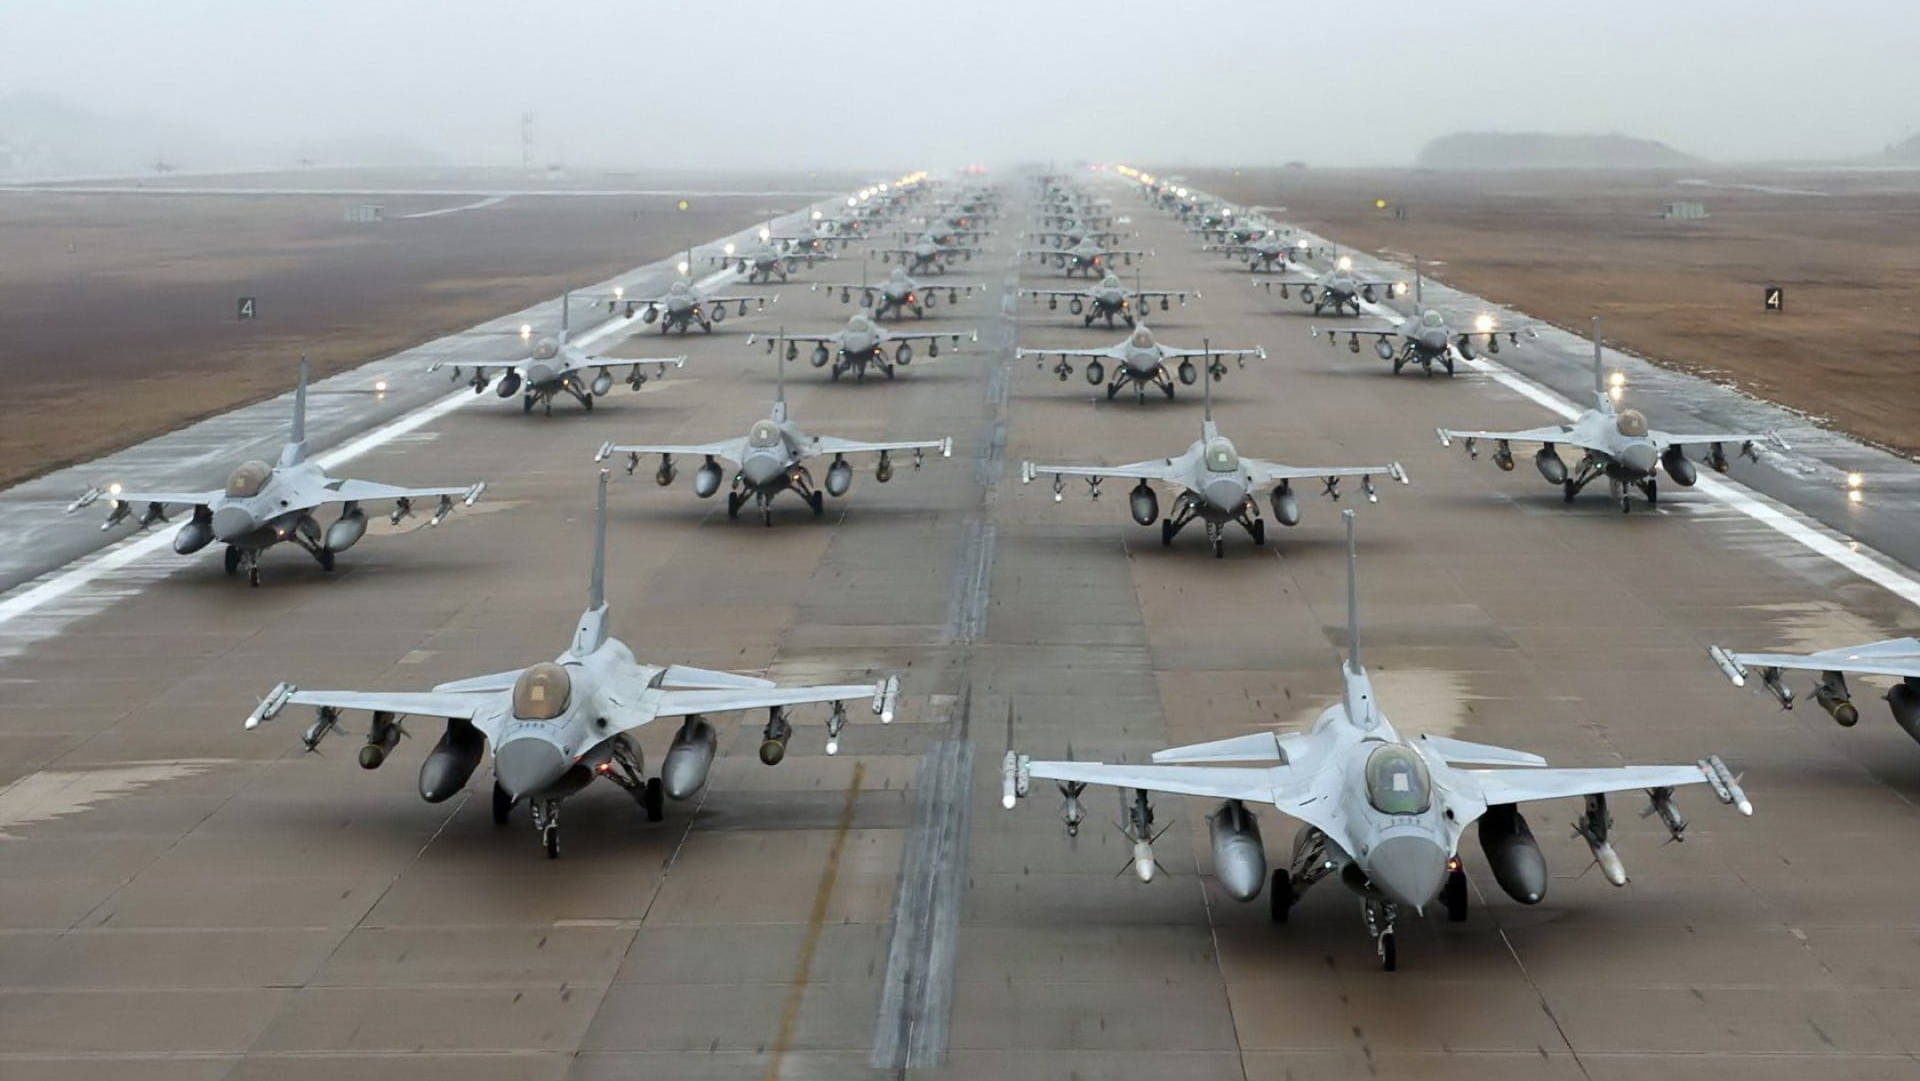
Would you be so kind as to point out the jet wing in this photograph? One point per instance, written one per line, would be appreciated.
(467, 705)
(496, 681)
(1499, 786)
(928, 336)
(1109, 352)
(1081, 293)
(830, 445)
(687, 677)
(1217, 782)
(1898, 657)
(1268, 472)
(733, 450)
(1745, 439)
(1258, 352)
(185, 499)
(1557, 433)
(359, 491)
(1161, 469)
(679, 703)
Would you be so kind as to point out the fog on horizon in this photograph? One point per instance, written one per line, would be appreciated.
(802, 84)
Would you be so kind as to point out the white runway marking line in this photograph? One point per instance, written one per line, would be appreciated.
(491, 200)
(1850, 554)
(34, 596)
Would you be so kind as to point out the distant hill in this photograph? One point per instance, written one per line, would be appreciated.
(1538, 150)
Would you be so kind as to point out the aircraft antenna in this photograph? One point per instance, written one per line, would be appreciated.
(1599, 369)
(1353, 597)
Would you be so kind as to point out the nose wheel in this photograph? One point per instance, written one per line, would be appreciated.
(546, 819)
(1380, 916)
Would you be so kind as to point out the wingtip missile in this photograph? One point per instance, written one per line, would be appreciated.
(271, 705)
(606, 450)
(1014, 778)
(473, 493)
(886, 698)
(87, 498)
(1446, 437)
(1725, 785)
(1730, 665)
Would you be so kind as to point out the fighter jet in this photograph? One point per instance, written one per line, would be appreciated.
(1895, 657)
(897, 293)
(1340, 288)
(1073, 233)
(557, 366)
(684, 305)
(774, 256)
(1216, 486)
(1139, 359)
(772, 458)
(1425, 338)
(865, 342)
(1084, 257)
(1380, 813)
(556, 726)
(929, 255)
(1109, 299)
(941, 233)
(1616, 445)
(1265, 253)
(263, 505)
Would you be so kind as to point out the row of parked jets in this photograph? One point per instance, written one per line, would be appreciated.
(1381, 812)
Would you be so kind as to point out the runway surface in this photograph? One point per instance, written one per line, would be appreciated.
(182, 899)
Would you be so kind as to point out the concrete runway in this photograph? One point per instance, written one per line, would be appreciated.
(182, 899)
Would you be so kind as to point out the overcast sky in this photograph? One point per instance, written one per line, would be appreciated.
(900, 85)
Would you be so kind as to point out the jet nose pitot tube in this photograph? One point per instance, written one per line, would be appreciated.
(1408, 871)
(527, 766)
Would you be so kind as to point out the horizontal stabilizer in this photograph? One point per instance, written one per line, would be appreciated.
(687, 677)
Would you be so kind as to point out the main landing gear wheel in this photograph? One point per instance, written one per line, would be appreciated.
(818, 501)
(1454, 896)
(1449, 363)
(253, 573)
(502, 805)
(1652, 490)
(766, 515)
(1280, 895)
(734, 499)
(526, 404)
(551, 838)
(1112, 390)
(1219, 547)
(1260, 532)
(834, 375)
(1166, 532)
(325, 556)
(1398, 363)
(1168, 388)
(587, 401)
(653, 801)
(233, 561)
(1567, 491)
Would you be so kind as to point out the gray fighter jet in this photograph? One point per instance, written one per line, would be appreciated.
(1617, 445)
(1898, 658)
(685, 305)
(1381, 814)
(1216, 486)
(263, 505)
(556, 726)
(771, 458)
(897, 293)
(1110, 299)
(772, 257)
(1265, 253)
(1142, 361)
(1085, 257)
(928, 255)
(865, 342)
(1072, 233)
(556, 367)
(1339, 288)
(1426, 339)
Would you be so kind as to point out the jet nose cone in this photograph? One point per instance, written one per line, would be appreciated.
(1407, 870)
(1638, 457)
(539, 373)
(1225, 495)
(231, 524)
(528, 766)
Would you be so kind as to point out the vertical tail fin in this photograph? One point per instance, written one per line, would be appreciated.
(780, 376)
(591, 633)
(566, 308)
(1418, 280)
(295, 451)
(1206, 387)
(1353, 597)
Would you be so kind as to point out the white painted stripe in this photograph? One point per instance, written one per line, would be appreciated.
(1867, 562)
(491, 200)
